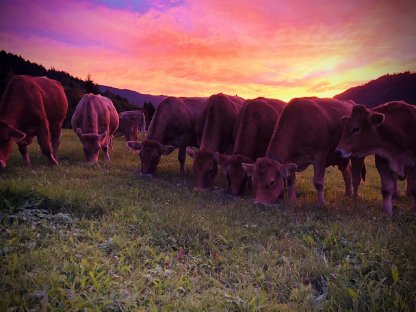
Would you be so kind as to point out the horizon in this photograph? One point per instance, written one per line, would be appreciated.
(271, 49)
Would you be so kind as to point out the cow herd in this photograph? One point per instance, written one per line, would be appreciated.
(259, 144)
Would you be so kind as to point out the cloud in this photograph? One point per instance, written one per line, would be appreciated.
(251, 48)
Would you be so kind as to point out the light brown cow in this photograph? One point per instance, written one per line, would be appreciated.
(218, 136)
(129, 124)
(389, 132)
(255, 126)
(307, 133)
(175, 124)
(32, 106)
(95, 121)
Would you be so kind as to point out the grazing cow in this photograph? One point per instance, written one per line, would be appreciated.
(255, 126)
(389, 132)
(175, 124)
(307, 133)
(218, 136)
(129, 124)
(95, 121)
(32, 106)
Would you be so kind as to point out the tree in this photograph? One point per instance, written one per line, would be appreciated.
(90, 86)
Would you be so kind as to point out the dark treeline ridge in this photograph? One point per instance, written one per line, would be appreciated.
(390, 87)
(75, 88)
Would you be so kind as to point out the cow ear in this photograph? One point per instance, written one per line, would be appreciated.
(166, 149)
(190, 151)
(376, 119)
(78, 132)
(289, 169)
(134, 146)
(249, 168)
(16, 135)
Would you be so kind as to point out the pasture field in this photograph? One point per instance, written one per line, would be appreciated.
(102, 238)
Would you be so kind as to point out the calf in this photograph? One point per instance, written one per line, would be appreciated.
(389, 132)
(307, 133)
(95, 121)
(129, 124)
(255, 126)
(32, 106)
(218, 136)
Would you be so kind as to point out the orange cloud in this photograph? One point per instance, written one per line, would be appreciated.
(268, 48)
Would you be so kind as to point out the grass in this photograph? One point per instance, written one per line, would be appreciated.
(92, 238)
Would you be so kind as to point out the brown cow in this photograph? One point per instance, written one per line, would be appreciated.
(307, 133)
(175, 124)
(129, 124)
(218, 136)
(32, 106)
(95, 121)
(389, 132)
(255, 126)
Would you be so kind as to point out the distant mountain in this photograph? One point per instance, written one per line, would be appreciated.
(390, 87)
(135, 98)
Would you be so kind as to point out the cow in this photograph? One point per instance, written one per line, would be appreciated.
(175, 124)
(129, 124)
(95, 121)
(218, 136)
(389, 132)
(307, 133)
(32, 106)
(255, 126)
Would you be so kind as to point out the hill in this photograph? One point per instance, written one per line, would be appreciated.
(75, 88)
(135, 98)
(386, 88)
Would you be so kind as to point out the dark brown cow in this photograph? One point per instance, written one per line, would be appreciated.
(218, 136)
(175, 124)
(307, 133)
(255, 126)
(95, 121)
(389, 132)
(32, 106)
(129, 124)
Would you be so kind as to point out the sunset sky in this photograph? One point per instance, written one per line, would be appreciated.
(272, 48)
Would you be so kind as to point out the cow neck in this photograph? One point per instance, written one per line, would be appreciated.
(272, 157)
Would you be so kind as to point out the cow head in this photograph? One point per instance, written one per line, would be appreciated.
(231, 167)
(150, 152)
(268, 179)
(205, 168)
(360, 135)
(8, 134)
(91, 144)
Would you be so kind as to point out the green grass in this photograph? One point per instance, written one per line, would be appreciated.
(87, 238)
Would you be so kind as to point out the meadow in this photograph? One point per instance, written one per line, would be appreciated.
(102, 238)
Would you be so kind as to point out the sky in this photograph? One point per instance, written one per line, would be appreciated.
(272, 48)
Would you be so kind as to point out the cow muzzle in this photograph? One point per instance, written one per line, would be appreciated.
(2, 164)
(342, 153)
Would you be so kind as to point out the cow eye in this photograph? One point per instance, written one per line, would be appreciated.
(272, 184)
(355, 130)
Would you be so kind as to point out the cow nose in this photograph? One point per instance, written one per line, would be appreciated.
(148, 175)
(339, 152)
(2, 164)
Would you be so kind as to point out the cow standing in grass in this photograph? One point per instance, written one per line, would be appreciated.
(389, 132)
(255, 126)
(95, 121)
(32, 106)
(307, 133)
(175, 124)
(130, 122)
(218, 136)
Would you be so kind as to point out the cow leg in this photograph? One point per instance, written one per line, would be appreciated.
(408, 192)
(346, 174)
(106, 149)
(396, 192)
(182, 158)
(318, 181)
(44, 141)
(23, 150)
(291, 187)
(357, 165)
(55, 139)
(411, 186)
(387, 184)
